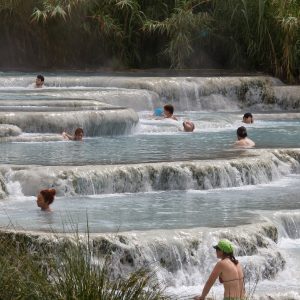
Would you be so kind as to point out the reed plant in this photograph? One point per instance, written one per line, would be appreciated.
(68, 268)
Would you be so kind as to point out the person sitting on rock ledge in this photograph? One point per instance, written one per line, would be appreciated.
(39, 82)
(78, 135)
(45, 198)
(229, 271)
(243, 140)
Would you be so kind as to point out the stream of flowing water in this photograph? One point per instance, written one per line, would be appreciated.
(160, 196)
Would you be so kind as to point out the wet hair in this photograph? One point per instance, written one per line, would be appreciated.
(169, 108)
(231, 257)
(247, 115)
(228, 255)
(48, 195)
(41, 77)
(79, 131)
(241, 132)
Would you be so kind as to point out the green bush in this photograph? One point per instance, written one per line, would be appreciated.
(258, 35)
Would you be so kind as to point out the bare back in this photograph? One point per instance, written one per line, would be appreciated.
(245, 143)
(233, 279)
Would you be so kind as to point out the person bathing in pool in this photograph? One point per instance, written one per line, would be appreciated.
(248, 118)
(78, 135)
(229, 271)
(188, 126)
(243, 141)
(39, 81)
(169, 112)
(45, 198)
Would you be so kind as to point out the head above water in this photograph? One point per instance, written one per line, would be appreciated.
(45, 198)
(225, 249)
(248, 118)
(241, 132)
(225, 246)
(188, 126)
(78, 135)
(168, 110)
(39, 80)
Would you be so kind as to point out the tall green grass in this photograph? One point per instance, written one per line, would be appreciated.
(66, 269)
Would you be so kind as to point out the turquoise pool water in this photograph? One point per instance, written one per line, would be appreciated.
(169, 194)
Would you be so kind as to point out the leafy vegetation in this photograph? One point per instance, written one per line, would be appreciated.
(261, 35)
(69, 269)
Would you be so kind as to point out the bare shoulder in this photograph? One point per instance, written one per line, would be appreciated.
(221, 264)
(226, 263)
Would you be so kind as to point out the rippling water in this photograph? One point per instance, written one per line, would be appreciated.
(132, 181)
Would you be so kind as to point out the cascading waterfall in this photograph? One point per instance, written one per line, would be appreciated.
(95, 123)
(289, 223)
(199, 175)
(144, 184)
(186, 93)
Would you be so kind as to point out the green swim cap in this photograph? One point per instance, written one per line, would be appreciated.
(225, 246)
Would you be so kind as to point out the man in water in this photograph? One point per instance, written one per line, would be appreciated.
(169, 111)
(188, 126)
(243, 141)
(229, 271)
(248, 118)
(78, 135)
(39, 82)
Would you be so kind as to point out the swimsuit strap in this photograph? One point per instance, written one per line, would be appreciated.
(233, 279)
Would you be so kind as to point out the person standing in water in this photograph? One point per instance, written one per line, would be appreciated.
(243, 140)
(229, 271)
(78, 135)
(45, 198)
(39, 82)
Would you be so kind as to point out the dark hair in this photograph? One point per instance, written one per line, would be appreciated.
(247, 115)
(231, 257)
(169, 108)
(241, 132)
(40, 77)
(48, 195)
(79, 131)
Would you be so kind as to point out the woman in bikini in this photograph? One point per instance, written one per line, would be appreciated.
(229, 271)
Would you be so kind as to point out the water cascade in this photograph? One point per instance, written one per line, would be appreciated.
(153, 194)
